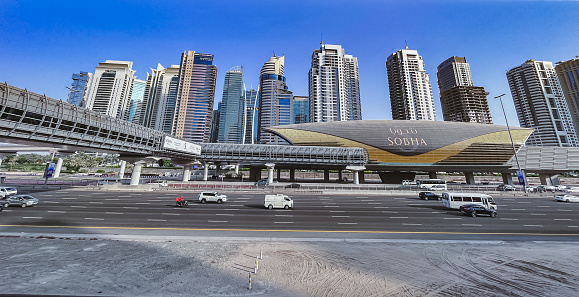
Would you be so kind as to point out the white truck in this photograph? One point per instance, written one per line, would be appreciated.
(278, 201)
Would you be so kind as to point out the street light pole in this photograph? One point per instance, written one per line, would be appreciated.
(511, 137)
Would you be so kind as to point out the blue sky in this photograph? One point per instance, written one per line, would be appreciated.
(42, 43)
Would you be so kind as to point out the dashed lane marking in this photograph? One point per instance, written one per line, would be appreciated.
(283, 222)
(573, 226)
(337, 211)
(331, 206)
(143, 203)
(156, 220)
(406, 224)
(399, 217)
(95, 219)
(381, 206)
(237, 205)
(472, 225)
(524, 202)
(224, 214)
(340, 216)
(439, 212)
(366, 200)
(374, 203)
(453, 218)
(69, 198)
(532, 225)
(544, 206)
(278, 215)
(78, 206)
(32, 217)
(231, 209)
(57, 211)
(389, 211)
(113, 213)
(171, 214)
(216, 221)
(111, 199)
(564, 210)
(537, 214)
(562, 219)
(509, 219)
(130, 207)
(347, 223)
(93, 202)
(518, 209)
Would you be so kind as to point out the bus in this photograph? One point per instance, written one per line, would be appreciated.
(432, 184)
(455, 200)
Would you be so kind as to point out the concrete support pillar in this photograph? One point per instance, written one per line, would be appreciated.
(58, 167)
(270, 168)
(356, 177)
(469, 176)
(356, 170)
(432, 175)
(340, 175)
(186, 173)
(236, 169)
(326, 175)
(278, 174)
(205, 171)
(136, 176)
(292, 175)
(549, 179)
(507, 178)
(122, 169)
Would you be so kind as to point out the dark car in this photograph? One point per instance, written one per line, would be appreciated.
(505, 188)
(293, 186)
(476, 209)
(428, 196)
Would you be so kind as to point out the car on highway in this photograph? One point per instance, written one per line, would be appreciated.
(542, 189)
(293, 186)
(7, 191)
(434, 187)
(428, 196)
(21, 200)
(212, 197)
(566, 198)
(262, 183)
(505, 188)
(474, 210)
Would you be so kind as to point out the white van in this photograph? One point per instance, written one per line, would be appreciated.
(6, 192)
(455, 200)
(278, 201)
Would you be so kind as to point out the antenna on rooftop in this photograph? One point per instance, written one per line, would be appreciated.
(274, 53)
(406, 43)
(321, 39)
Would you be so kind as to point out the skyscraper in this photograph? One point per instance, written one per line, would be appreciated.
(461, 101)
(334, 90)
(77, 87)
(158, 106)
(231, 117)
(274, 100)
(136, 99)
(410, 89)
(196, 95)
(215, 124)
(540, 104)
(251, 116)
(301, 106)
(109, 89)
(568, 73)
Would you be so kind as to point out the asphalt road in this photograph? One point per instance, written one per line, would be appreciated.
(67, 211)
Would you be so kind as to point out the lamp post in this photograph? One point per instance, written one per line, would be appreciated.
(512, 143)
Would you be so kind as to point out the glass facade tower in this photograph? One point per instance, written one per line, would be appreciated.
(76, 93)
(232, 107)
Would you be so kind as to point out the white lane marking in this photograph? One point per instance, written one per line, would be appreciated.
(562, 219)
(110, 199)
(95, 202)
(95, 219)
(331, 206)
(473, 225)
(362, 197)
(336, 211)
(216, 221)
(399, 198)
(224, 214)
(374, 203)
(439, 212)
(57, 211)
(328, 202)
(283, 222)
(231, 209)
(366, 200)
(144, 203)
(532, 225)
(399, 217)
(537, 214)
(48, 195)
(171, 214)
(524, 202)
(564, 210)
(115, 213)
(32, 217)
(518, 209)
(284, 215)
(405, 224)
(453, 218)
(544, 206)
(414, 204)
(340, 216)
(241, 198)
(381, 206)
(236, 205)
(130, 207)
(573, 226)
(50, 202)
(69, 198)
(156, 220)
(347, 223)
(124, 196)
(78, 206)
(389, 211)
(509, 219)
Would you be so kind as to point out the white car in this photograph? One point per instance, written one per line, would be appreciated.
(435, 188)
(212, 197)
(567, 198)
(6, 192)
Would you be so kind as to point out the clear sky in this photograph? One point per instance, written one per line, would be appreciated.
(42, 43)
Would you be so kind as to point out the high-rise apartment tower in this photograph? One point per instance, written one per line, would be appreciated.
(568, 73)
(196, 95)
(540, 104)
(275, 100)
(334, 90)
(461, 101)
(109, 90)
(410, 89)
(231, 118)
(77, 87)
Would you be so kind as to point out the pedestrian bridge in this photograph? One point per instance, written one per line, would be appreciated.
(32, 119)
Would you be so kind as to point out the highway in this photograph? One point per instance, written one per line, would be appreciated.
(66, 211)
